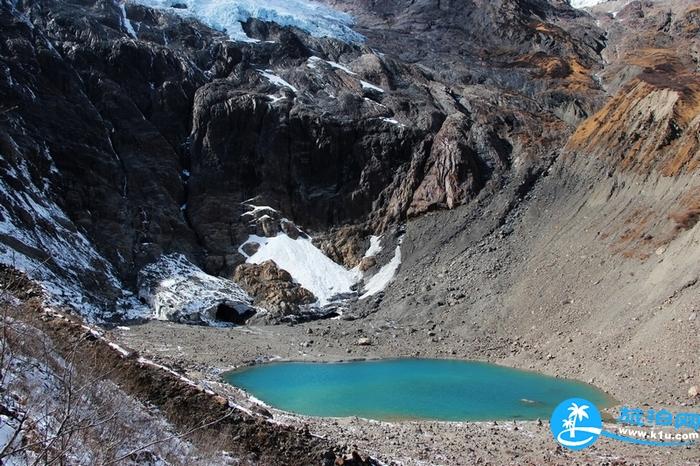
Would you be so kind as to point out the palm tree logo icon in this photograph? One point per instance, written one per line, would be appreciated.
(576, 413)
(576, 423)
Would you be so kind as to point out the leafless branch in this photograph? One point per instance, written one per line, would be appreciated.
(167, 439)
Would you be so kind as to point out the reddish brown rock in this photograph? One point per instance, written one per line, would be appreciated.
(367, 263)
(454, 172)
(272, 288)
(344, 245)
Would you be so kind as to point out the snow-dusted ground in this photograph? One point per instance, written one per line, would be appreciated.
(227, 15)
(178, 290)
(34, 384)
(51, 234)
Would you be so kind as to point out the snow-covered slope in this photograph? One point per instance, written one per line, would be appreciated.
(38, 238)
(226, 15)
(315, 271)
(178, 290)
(386, 274)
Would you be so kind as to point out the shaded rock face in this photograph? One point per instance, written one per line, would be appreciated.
(273, 288)
(151, 144)
(458, 39)
(320, 172)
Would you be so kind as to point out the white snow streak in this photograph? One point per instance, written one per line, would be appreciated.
(375, 246)
(312, 63)
(276, 80)
(366, 85)
(585, 3)
(385, 275)
(125, 21)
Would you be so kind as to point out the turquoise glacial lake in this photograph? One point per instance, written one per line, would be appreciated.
(403, 389)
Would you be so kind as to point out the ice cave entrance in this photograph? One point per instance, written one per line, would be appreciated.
(404, 389)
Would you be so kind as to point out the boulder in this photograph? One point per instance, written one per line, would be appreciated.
(273, 288)
(250, 248)
(344, 245)
(367, 263)
(290, 229)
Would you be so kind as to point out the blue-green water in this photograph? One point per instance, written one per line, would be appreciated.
(439, 389)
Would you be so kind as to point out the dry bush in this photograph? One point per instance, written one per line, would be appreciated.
(62, 406)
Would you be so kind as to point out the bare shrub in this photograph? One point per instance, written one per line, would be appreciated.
(62, 407)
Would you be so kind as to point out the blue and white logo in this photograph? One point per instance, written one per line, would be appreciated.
(576, 423)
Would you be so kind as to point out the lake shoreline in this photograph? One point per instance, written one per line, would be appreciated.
(205, 353)
(248, 378)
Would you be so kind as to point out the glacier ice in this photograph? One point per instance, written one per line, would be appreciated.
(227, 15)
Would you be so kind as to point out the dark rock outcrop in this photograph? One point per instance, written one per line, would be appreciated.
(151, 145)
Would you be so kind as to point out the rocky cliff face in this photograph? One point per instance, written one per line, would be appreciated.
(147, 131)
(651, 122)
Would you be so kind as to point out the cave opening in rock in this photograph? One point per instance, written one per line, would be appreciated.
(229, 314)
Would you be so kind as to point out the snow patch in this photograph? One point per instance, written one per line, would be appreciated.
(385, 275)
(307, 265)
(338, 66)
(274, 99)
(585, 3)
(313, 61)
(180, 291)
(276, 80)
(258, 208)
(227, 16)
(393, 121)
(366, 85)
(375, 246)
(126, 24)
